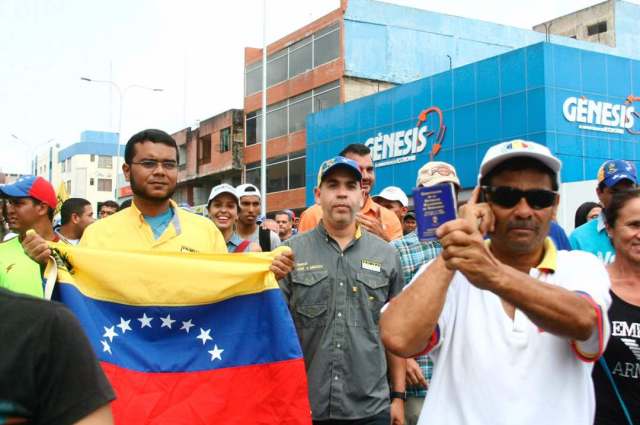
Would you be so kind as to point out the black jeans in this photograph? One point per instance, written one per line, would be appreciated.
(382, 418)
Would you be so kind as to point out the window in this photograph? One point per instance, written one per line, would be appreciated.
(105, 161)
(62, 164)
(598, 28)
(104, 185)
(205, 149)
(299, 108)
(321, 47)
(289, 115)
(68, 185)
(225, 139)
(283, 172)
(326, 45)
(182, 156)
(277, 120)
(327, 96)
(253, 78)
(92, 158)
(277, 68)
(91, 181)
(300, 57)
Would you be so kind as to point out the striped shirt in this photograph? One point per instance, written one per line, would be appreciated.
(414, 254)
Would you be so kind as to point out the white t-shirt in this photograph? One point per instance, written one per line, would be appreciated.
(489, 369)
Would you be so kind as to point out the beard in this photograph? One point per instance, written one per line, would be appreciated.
(141, 192)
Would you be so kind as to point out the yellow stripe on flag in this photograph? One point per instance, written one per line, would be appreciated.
(61, 196)
(131, 277)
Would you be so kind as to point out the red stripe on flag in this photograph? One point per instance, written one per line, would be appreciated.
(272, 393)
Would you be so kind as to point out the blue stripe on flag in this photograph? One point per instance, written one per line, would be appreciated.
(241, 331)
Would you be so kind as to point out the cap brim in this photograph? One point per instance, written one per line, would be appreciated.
(612, 181)
(224, 191)
(347, 167)
(13, 191)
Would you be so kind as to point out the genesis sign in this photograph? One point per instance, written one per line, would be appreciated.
(601, 116)
(403, 146)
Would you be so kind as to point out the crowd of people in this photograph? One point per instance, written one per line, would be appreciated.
(503, 319)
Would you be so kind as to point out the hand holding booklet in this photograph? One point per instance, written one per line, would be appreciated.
(434, 206)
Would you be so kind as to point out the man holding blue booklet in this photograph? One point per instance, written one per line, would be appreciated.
(513, 325)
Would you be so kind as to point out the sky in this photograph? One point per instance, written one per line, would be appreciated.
(192, 49)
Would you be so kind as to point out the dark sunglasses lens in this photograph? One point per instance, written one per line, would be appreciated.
(505, 196)
(539, 199)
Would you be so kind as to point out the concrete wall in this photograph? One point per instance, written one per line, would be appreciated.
(576, 24)
(413, 43)
(355, 88)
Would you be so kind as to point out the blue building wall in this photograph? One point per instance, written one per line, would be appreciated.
(93, 143)
(413, 43)
(518, 94)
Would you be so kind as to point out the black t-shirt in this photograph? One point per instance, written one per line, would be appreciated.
(623, 358)
(48, 371)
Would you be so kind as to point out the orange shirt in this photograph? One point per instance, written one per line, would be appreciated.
(390, 223)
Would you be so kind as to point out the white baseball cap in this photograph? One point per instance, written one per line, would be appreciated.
(393, 193)
(436, 172)
(518, 148)
(247, 189)
(220, 189)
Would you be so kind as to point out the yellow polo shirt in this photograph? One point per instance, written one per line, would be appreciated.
(127, 230)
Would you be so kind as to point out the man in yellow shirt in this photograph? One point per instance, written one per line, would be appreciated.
(153, 222)
(373, 217)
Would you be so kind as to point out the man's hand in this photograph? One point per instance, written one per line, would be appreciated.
(283, 264)
(397, 412)
(415, 377)
(373, 224)
(36, 247)
(463, 246)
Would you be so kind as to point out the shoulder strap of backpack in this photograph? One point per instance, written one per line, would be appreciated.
(264, 235)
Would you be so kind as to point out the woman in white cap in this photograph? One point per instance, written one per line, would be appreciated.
(223, 211)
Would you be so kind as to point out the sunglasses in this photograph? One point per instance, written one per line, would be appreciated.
(508, 197)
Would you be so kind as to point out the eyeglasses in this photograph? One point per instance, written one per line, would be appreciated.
(508, 197)
(152, 164)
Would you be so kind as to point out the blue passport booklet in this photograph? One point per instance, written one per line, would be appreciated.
(434, 206)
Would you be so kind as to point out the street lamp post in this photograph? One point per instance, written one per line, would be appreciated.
(121, 95)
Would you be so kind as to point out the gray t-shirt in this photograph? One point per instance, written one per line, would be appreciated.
(275, 239)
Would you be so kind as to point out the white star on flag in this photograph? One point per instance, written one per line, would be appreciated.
(167, 321)
(124, 325)
(105, 347)
(216, 353)
(204, 336)
(187, 325)
(145, 321)
(109, 333)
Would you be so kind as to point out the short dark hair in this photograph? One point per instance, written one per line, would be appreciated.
(110, 204)
(283, 213)
(582, 212)
(521, 163)
(150, 135)
(72, 206)
(618, 201)
(356, 148)
(125, 204)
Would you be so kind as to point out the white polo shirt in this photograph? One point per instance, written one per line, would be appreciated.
(489, 369)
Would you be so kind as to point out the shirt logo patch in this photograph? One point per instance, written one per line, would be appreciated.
(187, 249)
(373, 266)
(9, 267)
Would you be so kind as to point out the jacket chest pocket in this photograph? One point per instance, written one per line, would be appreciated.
(311, 298)
(367, 298)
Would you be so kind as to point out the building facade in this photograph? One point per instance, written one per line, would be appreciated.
(89, 168)
(209, 155)
(362, 48)
(579, 103)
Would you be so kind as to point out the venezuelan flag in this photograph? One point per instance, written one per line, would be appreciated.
(188, 338)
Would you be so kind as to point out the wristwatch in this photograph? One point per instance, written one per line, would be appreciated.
(397, 394)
